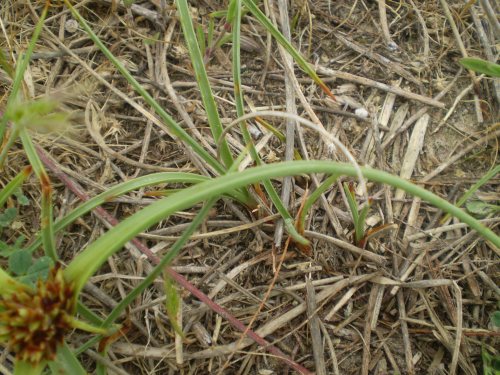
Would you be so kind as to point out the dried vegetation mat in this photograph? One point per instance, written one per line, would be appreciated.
(416, 295)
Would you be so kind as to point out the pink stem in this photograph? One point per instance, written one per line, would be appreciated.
(99, 211)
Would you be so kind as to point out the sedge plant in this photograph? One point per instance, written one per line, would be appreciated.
(36, 319)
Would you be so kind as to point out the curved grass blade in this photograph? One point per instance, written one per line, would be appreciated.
(164, 262)
(125, 187)
(266, 22)
(202, 79)
(89, 261)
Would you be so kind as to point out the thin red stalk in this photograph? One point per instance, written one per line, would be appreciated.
(99, 211)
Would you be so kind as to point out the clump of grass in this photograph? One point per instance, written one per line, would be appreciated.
(35, 318)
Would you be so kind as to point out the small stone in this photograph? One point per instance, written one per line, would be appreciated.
(71, 26)
(361, 112)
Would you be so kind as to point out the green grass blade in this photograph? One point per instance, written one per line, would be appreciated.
(266, 22)
(359, 226)
(165, 261)
(120, 189)
(353, 205)
(234, 14)
(14, 184)
(47, 220)
(174, 126)
(481, 66)
(88, 314)
(202, 79)
(21, 68)
(313, 198)
(89, 261)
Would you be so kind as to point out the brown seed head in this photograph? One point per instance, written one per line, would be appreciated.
(34, 323)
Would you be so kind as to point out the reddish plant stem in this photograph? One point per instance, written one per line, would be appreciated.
(99, 211)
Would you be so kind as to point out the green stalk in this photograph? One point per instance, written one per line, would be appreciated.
(175, 128)
(234, 14)
(21, 68)
(202, 79)
(47, 221)
(120, 189)
(89, 261)
(14, 184)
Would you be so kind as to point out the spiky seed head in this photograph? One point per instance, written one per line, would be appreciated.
(33, 322)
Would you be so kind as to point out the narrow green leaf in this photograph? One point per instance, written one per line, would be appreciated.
(88, 314)
(211, 29)
(174, 126)
(47, 219)
(481, 66)
(235, 10)
(87, 262)
(200, 34)
(165, 261)
(266, 22)
(125, 187)
(172, 302)
(202, 79)
(353, 204)
(360, 225)
(313, 198)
